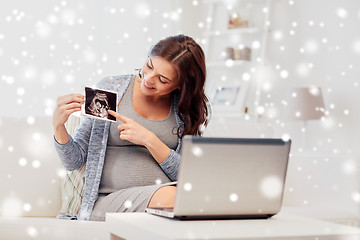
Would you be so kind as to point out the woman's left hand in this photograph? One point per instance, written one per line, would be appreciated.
(132, 131)
(137, 134)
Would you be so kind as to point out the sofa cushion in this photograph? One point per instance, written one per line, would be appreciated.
(72, 187)
(73, 183)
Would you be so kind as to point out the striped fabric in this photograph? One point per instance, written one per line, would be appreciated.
(72, 185)
(71, 191)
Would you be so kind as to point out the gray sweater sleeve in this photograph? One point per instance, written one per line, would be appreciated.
(73, 154)
(171, 164)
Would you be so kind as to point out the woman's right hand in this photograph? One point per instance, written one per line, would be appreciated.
(66, 105)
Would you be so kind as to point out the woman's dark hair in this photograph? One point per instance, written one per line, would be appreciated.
(189, 61)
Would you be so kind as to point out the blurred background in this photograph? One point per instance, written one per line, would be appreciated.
(51, 48)
(276, 68)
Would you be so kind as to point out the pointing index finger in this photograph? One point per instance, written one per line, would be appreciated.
(119, 116)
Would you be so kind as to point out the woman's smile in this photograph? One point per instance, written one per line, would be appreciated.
(147, 85)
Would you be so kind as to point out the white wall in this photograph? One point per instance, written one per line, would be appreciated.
(55, 47)
(317, 43)
(324, 51)
(51, 48)
(311, 43)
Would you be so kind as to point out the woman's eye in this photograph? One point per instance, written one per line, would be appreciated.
(162, 81)
(149, 66)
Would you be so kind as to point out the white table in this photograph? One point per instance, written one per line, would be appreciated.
(140, 226)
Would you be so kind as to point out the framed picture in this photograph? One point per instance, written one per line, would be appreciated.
(228, 98)
(98, 102)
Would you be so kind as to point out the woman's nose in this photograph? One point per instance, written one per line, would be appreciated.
(149, 77)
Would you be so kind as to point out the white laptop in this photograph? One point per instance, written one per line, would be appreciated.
(224, 178)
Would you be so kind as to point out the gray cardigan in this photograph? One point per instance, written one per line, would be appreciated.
(89, 144)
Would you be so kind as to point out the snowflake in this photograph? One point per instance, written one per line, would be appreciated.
(260, 110)
(27, 207)
(22, 162)
(285, 137)
(246, 77)
(256, 45)
(127, 204)
(36, 164)
(341, 13)
(284, 74)
(278, 35)
(197, 151)
(187, 187)
(233, 197)
(271, 187)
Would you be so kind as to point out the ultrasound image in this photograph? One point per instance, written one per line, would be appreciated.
(98, 102)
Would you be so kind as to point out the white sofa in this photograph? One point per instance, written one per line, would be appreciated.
(30, 179)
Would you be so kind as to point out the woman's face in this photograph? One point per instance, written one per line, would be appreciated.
(159, 77)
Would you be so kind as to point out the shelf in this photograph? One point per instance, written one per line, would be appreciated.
(227, 63)
(249, 30)
(218, 39)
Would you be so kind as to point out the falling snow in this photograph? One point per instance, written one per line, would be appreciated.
(271, 187)
(60, 48)
(187, 187)
(197, 151)
(127, 204)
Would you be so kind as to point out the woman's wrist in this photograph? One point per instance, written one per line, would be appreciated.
(157, 148)
(60, 133)
(149, 140)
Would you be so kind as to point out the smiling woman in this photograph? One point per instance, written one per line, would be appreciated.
(131, 164)
(188, 60)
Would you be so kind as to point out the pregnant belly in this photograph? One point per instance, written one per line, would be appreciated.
(130, 166)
